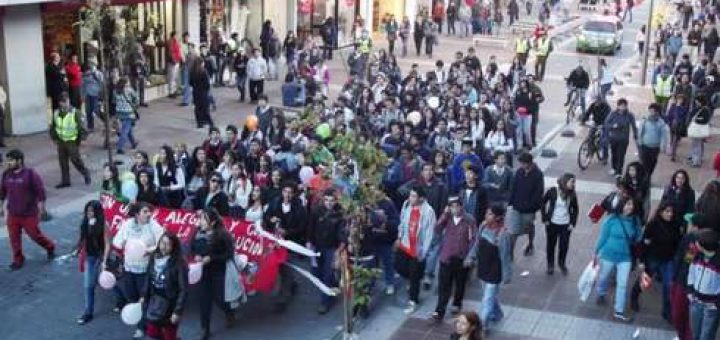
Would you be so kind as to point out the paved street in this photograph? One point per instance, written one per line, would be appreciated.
(43, 300)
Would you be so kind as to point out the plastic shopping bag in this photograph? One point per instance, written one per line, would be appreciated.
(587, 280)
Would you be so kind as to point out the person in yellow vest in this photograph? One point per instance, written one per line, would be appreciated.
(66, 130)
(663, 88)
(364, 43)
(543, 47)
(522, 47)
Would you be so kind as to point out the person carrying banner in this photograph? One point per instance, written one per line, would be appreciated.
(213, 246)
(326, 235)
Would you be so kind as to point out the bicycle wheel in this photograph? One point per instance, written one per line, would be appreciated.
(598, 151)
(585, 154)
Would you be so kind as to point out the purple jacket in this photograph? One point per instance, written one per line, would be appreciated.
(457, 239)
(23, 189)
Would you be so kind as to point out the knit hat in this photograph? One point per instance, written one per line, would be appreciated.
(709, 240)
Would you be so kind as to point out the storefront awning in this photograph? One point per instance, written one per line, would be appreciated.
(72, 5)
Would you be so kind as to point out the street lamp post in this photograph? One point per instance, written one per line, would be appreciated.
(646, 49)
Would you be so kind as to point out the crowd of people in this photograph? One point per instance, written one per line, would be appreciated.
(459, 189)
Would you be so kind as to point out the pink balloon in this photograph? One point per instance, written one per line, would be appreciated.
(134, 250)
(194, 273)
(106, 280)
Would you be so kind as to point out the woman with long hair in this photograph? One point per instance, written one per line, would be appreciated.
(256, 208)
(166, 289)
(638, 181)
(169, 178)
(200, 83)
(238, 189)
(141, 161)
(147, 191)
(676, 118)
(620, 230)
(559, 213)
(661, 239)
(467, 327)
(498, 140)
(212, 246)
(698, 130)
(143, 230)
(111, 181)
(680, 194)
(709, 202)
(93, 247)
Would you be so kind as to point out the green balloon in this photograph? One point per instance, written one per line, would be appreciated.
(323, 130)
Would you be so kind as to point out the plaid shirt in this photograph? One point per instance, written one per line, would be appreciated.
(125, 103)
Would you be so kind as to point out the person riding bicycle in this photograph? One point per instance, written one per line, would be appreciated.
(578, 81)
(598, 109)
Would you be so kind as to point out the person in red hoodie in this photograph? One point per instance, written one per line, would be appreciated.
(74, 77)
(438, 12)
(173, 62)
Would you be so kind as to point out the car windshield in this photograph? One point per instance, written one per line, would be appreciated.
(599, 26)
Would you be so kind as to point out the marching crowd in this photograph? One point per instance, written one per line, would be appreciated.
(458, 185)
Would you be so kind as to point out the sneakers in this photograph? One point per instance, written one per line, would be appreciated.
(15, 266)
(390, 290)
(529, 250)
(138, 334)
(436, 317)
(85, 318)
(611, 172)
(622, 317)
(411, 307)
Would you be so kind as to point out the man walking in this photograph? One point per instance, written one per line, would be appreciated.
(522, 47)
(93, 84)
(617, 127)
(525, 201)
(23, 188)
(459, 230)
(543, 47)
(66, 131)
(175, 57)
(256, 71)
(652, 138)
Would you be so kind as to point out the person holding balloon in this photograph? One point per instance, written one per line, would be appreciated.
(92, 247)
(137, 237)
(166, 289)
(212, 246)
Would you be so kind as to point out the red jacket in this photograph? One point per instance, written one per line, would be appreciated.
(438, 11)
(175, 52)
(74, 74)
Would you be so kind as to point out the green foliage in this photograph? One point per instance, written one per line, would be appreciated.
(362, 283)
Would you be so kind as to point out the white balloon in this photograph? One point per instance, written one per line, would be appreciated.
(194, 272)
(433, 102)
(129, 190)
(131, 313)
(106, 280)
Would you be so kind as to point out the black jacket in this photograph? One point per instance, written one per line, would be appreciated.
(548, 206)
(476, 202)
(436, 193)
(661, 240)
(218, 246)
(327, 227)
(295, 222)
(219, 201)
(527, 192)
(579, 79)
(174, 283)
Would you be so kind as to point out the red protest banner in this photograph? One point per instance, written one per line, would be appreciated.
(264, 252)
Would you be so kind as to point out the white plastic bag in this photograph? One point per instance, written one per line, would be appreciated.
(587, 280)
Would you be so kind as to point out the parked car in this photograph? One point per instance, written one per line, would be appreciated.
(603, 34)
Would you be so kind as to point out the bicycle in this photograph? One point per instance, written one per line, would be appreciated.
(573, 105)
(590, 148)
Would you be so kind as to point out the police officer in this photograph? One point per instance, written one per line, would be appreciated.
(543, 48)
(66, 130)
(522, 47)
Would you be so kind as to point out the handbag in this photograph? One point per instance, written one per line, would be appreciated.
(403, 263)
(158, 308)
(696, 130)
(596, 212)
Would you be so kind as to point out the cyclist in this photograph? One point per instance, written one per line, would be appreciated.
(599, 109)
(578, 81)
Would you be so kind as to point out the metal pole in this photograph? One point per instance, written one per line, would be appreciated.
(646, 51)
(106, 97)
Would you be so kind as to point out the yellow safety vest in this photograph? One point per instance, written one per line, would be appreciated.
(232, 45)
(663, 88)
(521, 46)
(365, 45)
(544, 47)
(66, 128)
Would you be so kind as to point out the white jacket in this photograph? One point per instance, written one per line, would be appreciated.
(497, 141)
(257, 68)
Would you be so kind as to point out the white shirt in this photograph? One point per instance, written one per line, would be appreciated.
(254, 214)
(241, 192)
(561, 213)
(149, 234)
(497, 141)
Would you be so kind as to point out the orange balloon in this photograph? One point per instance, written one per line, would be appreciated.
(251, 122)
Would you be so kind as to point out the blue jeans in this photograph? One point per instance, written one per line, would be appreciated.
(126, 133)
(325, 272)
(621, 278)
(384, 258)
(604, 89)
(703, 320)
(90, 277)
(240, 82)
(91, 107)
(186, 88)
(697, 148)
(523, 130)
(491, 309)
